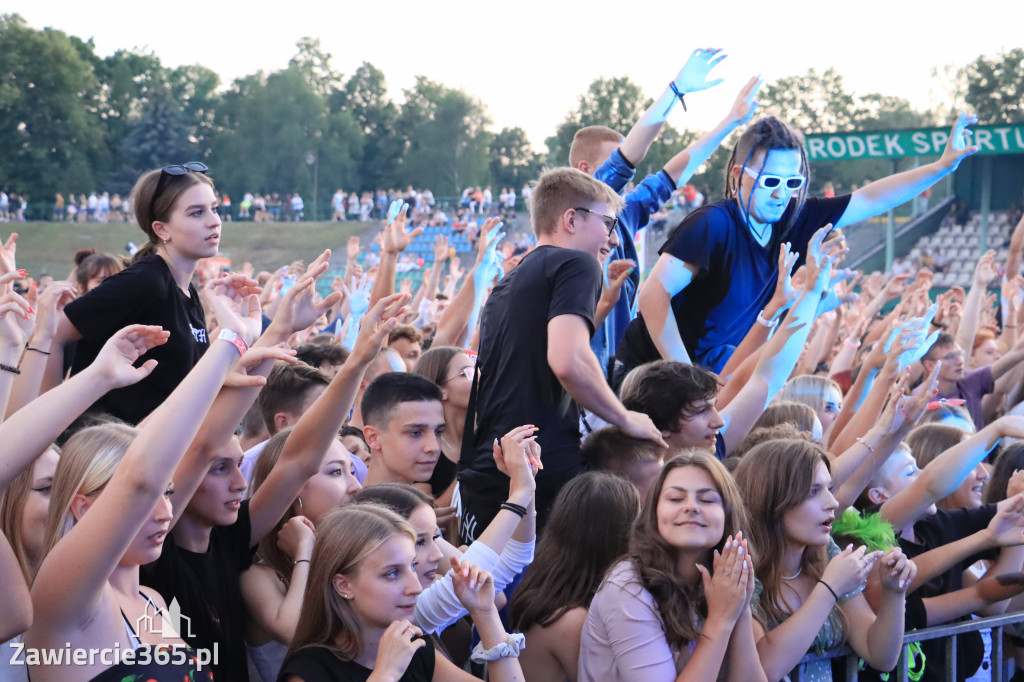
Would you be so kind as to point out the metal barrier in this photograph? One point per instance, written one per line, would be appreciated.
(948, 632)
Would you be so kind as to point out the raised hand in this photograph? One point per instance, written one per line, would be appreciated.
(693, 77)
(352, 248)
(301, 307)
(895, 570)
(516, 460)
(375, 326)
(239, 377)
(17, 319)
(986, 270)
(746, 103)
(1007, 526)
(50, 304)
(358, 303)
(730, 584)
(8, 263)
(236, 303)
(116, 360)
(849, 569)
(441, 250)
(396, 237)
(958, 147)
(473, 586)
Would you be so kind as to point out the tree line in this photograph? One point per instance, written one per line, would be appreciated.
(71, 121)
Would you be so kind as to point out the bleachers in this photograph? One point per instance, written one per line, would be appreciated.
(958, 246)
(422, 247)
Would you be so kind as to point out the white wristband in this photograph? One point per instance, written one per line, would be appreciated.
(770, 324)
(234, 339)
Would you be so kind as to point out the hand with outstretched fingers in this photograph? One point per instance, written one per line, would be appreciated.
(358, 303)
(693, 77)
(116, 359)
(235, 300)
(375, 326)
(301, 307)
(240, 377)
(396, 237)
(958, 146)
(746, 102)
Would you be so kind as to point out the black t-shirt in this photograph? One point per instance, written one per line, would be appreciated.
(734, 281)
(207, 588)
(443, 476)
(931, 532)
(317, 664)
(516, 385)
(145, 293)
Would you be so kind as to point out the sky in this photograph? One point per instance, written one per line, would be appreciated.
(528, 62)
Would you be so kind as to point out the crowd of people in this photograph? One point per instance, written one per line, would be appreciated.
(534, 467)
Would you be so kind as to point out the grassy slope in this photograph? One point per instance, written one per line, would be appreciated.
(50, 247)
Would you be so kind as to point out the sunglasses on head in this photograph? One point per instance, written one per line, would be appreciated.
(174, 171)
(769, 181)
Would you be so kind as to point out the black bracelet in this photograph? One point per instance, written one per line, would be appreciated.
(829, 588)
(9, 368)
(38, 350)
(672, 84)
(517, 509)
(300, 561)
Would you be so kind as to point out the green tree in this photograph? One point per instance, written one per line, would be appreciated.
(158, 137)
(365, 97)
(315, 66)
(194, 88)
(447, 138)
(512, 162)
(614, 102)
(995, 87)
(49, 131)
(814, 102)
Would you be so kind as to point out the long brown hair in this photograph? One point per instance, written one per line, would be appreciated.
(12, 511)
(655, 560)
(149, 210)
(775, 477)
(343, 539)
(574, 553)
(267, 551)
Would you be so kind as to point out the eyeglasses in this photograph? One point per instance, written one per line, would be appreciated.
(464, 372)
(954, 356)
(609, 222)
(768, 181)
(174, 171)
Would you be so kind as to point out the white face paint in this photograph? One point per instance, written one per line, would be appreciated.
(817, 433)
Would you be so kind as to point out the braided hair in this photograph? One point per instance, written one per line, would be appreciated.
(767, 134)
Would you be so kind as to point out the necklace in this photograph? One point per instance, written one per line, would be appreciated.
(795, 575)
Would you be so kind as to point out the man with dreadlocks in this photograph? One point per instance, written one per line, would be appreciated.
(718, 268)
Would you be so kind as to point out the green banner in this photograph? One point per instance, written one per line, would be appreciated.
(894, 144)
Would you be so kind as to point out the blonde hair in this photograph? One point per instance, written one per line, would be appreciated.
(798, 414)
(560, 189)
(809, 390)
(586, 141)
(87, 464)
(343, 539)
(12, 511)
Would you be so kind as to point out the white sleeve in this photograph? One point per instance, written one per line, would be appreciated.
(516, 557)
(437, 607)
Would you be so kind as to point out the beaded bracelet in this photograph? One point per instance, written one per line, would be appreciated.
(10, 368)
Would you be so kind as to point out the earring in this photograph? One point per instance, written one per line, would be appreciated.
(165, 241)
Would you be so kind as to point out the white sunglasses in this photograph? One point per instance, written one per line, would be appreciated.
(768, 181)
